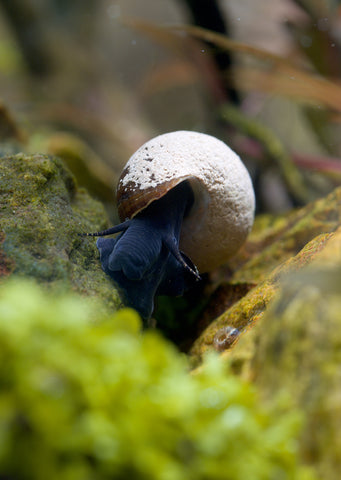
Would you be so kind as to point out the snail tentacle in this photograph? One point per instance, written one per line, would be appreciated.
(110, 231)
(172, 245)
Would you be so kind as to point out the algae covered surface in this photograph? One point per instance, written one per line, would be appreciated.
(298, 355)
(294, 348)
(289, 321)
(84, 395)
(273, 250)
(42, 213)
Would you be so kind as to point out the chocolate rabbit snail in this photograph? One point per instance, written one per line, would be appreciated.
(186, 203)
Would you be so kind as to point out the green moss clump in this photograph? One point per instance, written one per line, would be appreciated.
(42, 212)
(82, 396)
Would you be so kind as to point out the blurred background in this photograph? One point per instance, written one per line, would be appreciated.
(91, 80)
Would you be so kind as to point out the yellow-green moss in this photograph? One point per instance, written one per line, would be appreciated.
(298, 355)
(274, 249)
(42, 212)
(294, 349)
(82, 396)
(250, 309)
(274, 240)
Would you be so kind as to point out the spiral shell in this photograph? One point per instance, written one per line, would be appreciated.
(225, 337)
(223, 210)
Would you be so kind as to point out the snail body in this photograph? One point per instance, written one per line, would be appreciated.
(186, 204)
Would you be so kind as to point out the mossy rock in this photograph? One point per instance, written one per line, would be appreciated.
(42, 213)
(298, 355)
(294, 346)
(274, 249)
(277, 239)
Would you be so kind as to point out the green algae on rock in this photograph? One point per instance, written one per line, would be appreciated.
(294, 350)
(42, 212)
(299, 357)
(250, 309)
(275, 240)
(90, 396)
(272, 252)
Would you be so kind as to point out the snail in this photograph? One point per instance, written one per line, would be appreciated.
(225, 337)
(186, 203)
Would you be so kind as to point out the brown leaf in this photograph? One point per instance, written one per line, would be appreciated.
(273, 73)
(292, 82)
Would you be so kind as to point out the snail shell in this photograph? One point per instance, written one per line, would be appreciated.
(225, 337)
(223, 210)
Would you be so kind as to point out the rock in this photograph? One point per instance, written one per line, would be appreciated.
(294, 347)
(290, 344)
(298, 355)
(273, 250)
(42, 212)
(277, 239)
